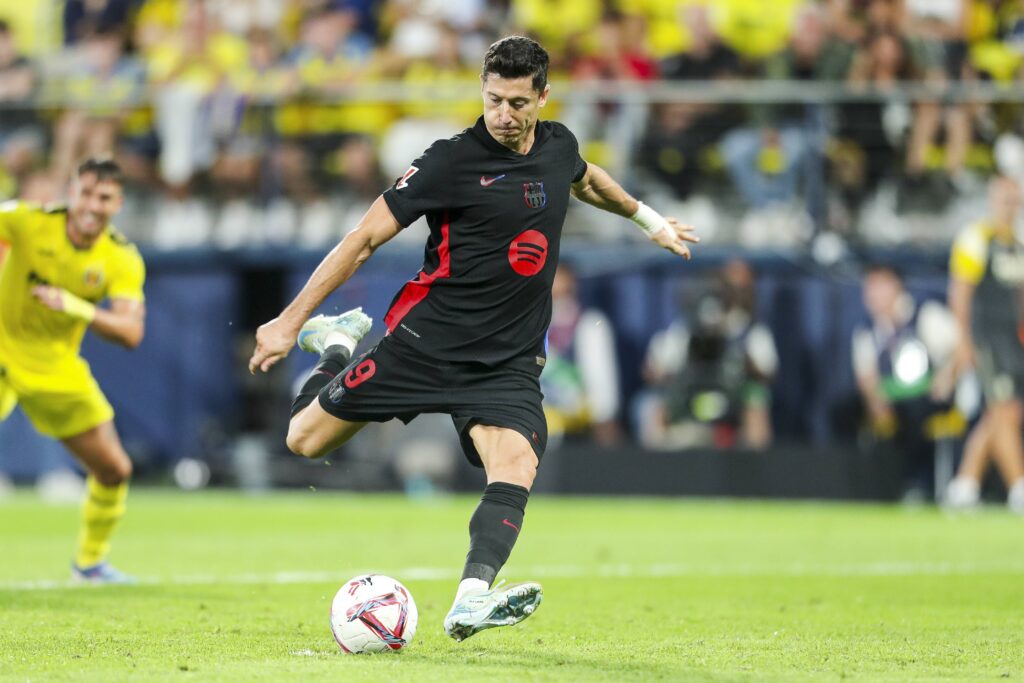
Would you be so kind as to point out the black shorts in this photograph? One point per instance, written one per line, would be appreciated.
(1001, 366)
(395, 380)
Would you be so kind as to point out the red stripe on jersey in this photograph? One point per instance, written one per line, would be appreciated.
(416, 290)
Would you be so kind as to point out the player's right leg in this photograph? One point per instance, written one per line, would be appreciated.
(71, 407)
(312, 431)
(100, 451)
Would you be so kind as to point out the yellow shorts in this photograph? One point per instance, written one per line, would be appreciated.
(61, 413)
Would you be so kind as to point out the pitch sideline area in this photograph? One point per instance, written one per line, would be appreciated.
(237, 588)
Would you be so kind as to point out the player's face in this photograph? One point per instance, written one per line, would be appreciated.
(93, 203)
(511, 106)
(1005, 198)
(881, 291)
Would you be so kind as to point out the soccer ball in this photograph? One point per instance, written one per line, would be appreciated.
(373, 613)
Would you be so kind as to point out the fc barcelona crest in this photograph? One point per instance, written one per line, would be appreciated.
(534, 195)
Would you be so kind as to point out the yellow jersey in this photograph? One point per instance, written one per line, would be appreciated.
(36, 343)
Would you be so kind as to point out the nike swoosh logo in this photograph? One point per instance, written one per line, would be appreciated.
(487, 182)
(508, 523)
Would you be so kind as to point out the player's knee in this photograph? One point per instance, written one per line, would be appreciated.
(295, 442)
(519, 468)
(300, 442)
(115, 472)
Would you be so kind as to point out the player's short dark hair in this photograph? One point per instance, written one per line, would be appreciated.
(104, 168)
(516, 57)
(4, 26)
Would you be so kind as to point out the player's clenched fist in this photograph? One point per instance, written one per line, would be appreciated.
(274, 340)
(59, 299)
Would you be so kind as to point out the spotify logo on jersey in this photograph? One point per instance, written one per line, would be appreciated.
(528, 252)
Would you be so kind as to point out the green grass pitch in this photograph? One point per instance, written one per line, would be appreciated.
(238, 588)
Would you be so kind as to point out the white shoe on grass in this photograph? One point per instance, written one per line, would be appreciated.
(322, 331)
(501, 606)
(962, 493)
(1015, 498)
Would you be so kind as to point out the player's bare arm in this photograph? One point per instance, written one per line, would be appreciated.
(123, 323)
(599, 189)
(275, 338)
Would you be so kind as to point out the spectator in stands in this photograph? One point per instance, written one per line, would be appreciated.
(439, 114)
(580, 381)
(316, 128)
(188, 67)
(996, 54)
(248, 17)
(865, 150)
(785, 144)
(239, 167)
(855, 21)
(712, 373)
(84, 18)
(986, 291)
(902, 361)
(101, 91)
(995, 32)
(21, 136)
(557, 24)
(607, 130)
(936, 31)
(679, 135)
(754, 28)
(621, 55)
(416, 27)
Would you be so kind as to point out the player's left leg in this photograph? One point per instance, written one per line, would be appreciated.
(312, 431)
(109, 468)
(1008, 449)
(511, 465)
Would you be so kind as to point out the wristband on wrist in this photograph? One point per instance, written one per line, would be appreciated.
(77, 307)
(649, 220)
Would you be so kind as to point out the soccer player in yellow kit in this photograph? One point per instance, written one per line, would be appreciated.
(58, 264)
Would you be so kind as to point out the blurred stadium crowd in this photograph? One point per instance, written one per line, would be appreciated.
(839, 125)
(244, 122)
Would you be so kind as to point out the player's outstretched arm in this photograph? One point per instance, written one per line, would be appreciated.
(275, 338)
(123, 323)
(599, 189)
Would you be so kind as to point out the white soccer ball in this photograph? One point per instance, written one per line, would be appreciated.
(373, 613)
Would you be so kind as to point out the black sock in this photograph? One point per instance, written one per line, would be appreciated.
(493, 530)
(332, 361)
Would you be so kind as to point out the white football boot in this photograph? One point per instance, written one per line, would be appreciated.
(322, 331)
(500, 606)
(962, 494)
(1015, 498)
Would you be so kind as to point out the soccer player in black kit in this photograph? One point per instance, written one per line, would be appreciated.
(466, 336)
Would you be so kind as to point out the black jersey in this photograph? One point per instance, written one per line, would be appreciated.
(495, 217)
